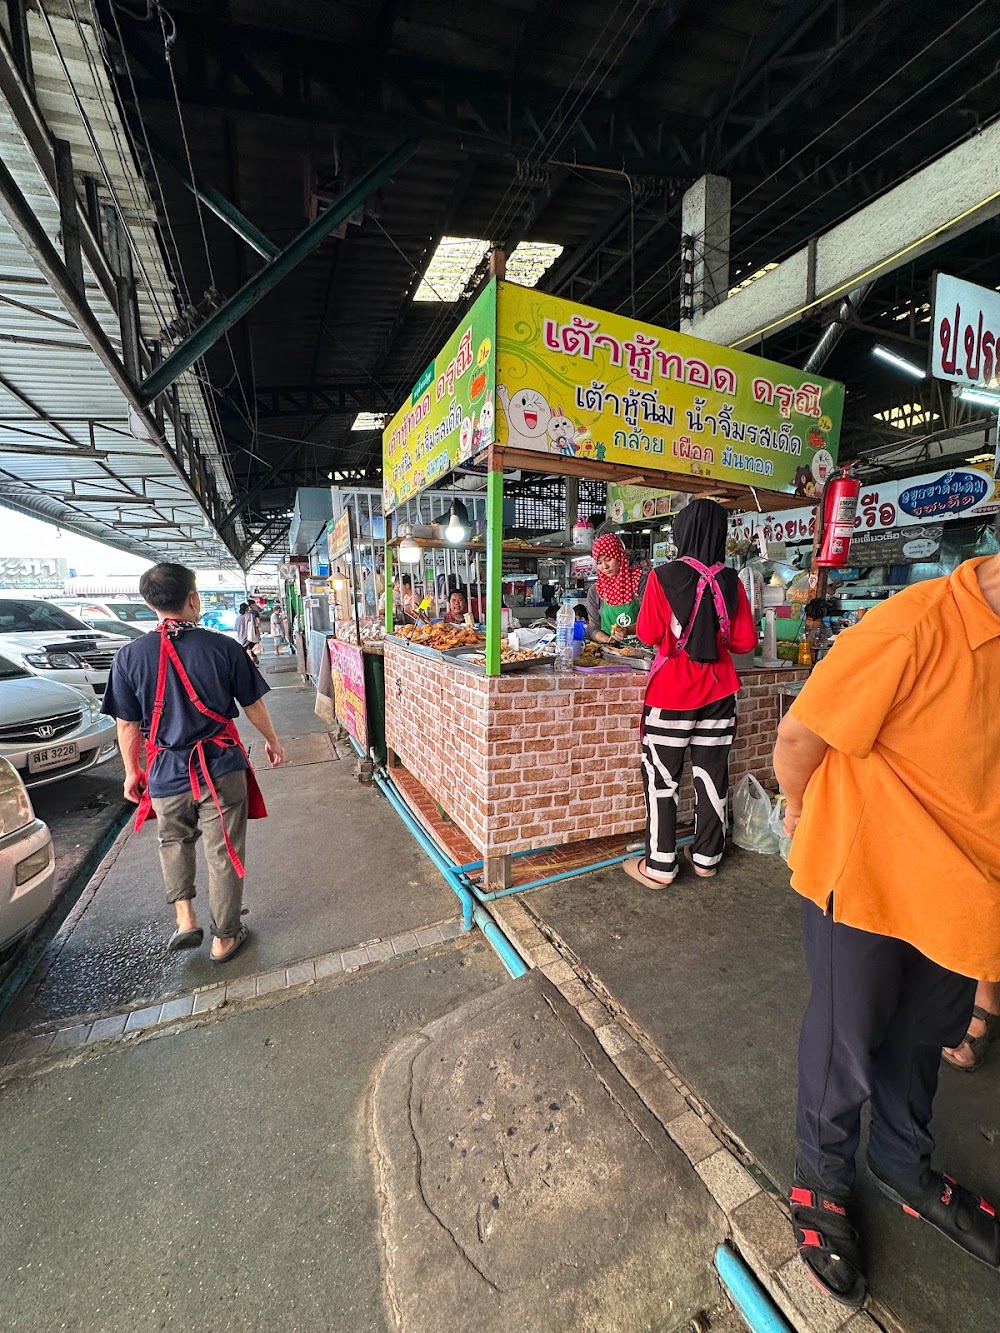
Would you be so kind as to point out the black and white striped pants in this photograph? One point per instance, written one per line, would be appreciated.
(710, 732)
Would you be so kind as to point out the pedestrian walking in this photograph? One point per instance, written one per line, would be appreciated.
(695, 612)
(890, 760)
(248, 631)
(180, 688)
(279, 628)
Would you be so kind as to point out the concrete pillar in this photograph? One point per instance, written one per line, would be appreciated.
(704, 247)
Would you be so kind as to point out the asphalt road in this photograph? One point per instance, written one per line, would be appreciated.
(83, 814)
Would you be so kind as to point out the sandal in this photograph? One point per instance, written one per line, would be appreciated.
(968, 1220)
(242, 935)
(185, 939)
(828, 1245)
(635, 866)
(977, 1045)
(703, 872)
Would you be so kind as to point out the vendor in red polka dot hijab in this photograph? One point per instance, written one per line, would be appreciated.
(613, 603)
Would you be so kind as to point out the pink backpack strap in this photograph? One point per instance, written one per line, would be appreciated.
(707, 578)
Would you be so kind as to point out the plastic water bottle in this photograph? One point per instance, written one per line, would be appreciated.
(565, 621)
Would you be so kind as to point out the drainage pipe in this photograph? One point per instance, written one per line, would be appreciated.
(506, 952)
(749, 1297)
(388, 790)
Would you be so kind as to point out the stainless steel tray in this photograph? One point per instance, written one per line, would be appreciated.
(462, 657)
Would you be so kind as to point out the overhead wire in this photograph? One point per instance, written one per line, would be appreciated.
(540, 152)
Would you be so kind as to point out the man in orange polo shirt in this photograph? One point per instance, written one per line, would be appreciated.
(890, 760)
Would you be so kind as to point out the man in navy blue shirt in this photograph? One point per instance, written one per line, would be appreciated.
(187, 741)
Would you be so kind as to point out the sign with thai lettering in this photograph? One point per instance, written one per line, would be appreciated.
(584, 383)
(347, 671)
(897, 546)
(339, 537)
(965, 332)
(449, 415)
(934, 497)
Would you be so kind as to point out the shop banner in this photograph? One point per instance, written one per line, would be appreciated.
(897, 546)
(634, 504)
(449, 415)
(935, 496)
(966, 332)
(339, 537)
(347, 671)
(576, 381)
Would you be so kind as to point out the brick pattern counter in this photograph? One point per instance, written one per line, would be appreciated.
(542, 758)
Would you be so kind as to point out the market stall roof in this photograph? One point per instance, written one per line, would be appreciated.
(573, 123)
(67, 453)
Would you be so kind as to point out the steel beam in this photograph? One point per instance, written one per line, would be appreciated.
(69, 213)
(29, 231)
(30, 122)
(952, 195)
(222, 208)
(238, 305)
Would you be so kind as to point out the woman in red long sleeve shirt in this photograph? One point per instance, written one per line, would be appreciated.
(691, 696)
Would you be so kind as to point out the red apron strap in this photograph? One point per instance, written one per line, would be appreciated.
(197, 757)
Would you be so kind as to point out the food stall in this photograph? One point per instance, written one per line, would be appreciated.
(529, 758)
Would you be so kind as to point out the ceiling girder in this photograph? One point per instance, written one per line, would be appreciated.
(262, 72)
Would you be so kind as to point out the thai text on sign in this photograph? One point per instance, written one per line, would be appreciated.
(347, 671)
(966, 331)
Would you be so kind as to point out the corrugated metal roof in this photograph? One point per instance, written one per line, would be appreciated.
(54, 392)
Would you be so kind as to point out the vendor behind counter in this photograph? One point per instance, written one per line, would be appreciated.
(613, 602)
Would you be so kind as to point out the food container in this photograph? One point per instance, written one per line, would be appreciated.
(474, 659)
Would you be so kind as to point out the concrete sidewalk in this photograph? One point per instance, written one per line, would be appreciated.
(183, 1157)
(712, 972)
(331, 866)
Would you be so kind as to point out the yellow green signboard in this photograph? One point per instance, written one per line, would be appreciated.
(585, 383)
(449, 416)
(538, 373)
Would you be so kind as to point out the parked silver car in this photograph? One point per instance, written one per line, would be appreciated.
(27, 863)
(50, 731)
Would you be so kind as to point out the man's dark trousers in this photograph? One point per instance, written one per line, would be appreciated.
(877, 1018)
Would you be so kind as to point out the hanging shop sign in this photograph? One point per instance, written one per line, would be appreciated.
(933, 497)
(633, 504)
(965, 333)
(339, 537)
(585, 383)
(449, 416)
(347, 673)
(897, 546)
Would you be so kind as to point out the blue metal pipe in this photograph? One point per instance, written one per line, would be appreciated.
(563, 874)
(506, 952)
(389, 791)
(478, 865)
(749, 1297)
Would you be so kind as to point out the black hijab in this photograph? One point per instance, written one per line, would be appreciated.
(700, 531)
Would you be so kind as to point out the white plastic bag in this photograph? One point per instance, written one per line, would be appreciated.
(777, 824)
(752, 817)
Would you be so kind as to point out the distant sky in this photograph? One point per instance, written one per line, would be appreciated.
(30, 537)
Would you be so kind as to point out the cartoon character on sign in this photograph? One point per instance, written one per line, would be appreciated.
(566, 438)
(466, 436)
(822, 466)
(484, 435)
(528, 415)
(805, 483)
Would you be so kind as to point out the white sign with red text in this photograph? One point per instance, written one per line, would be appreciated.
(965, 333)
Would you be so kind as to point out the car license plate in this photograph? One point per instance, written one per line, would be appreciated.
(56, 756)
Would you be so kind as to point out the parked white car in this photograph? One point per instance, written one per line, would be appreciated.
(49, 642)
(92, 609)
(50, 731)
(27, 862)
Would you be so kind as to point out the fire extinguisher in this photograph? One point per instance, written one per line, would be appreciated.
(837, 510)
